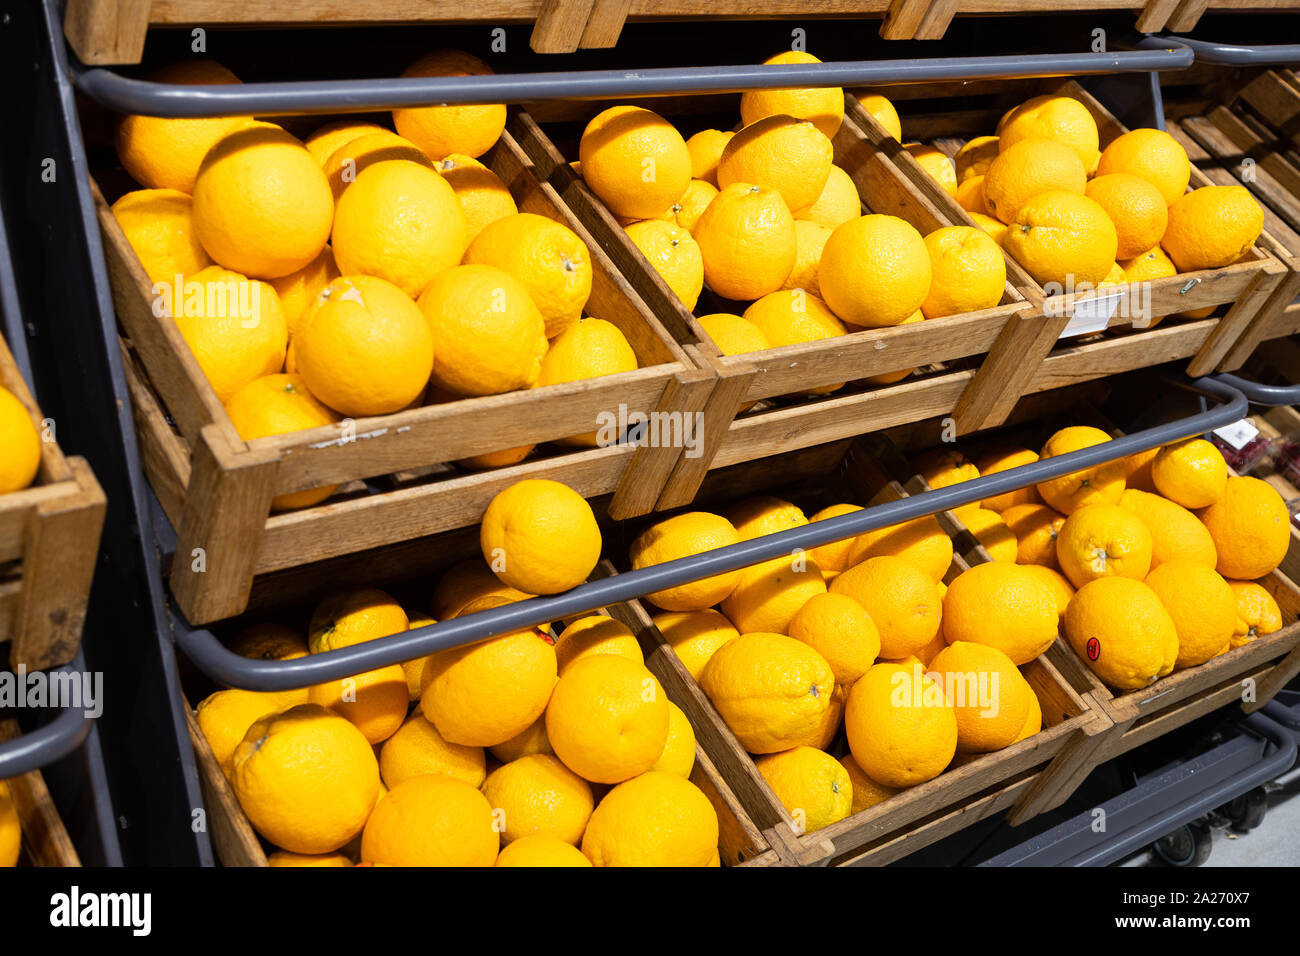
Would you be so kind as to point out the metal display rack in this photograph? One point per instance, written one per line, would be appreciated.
(1231, 54)
(1263, 748)
(359, 96)
(66, 746)
(133, 530)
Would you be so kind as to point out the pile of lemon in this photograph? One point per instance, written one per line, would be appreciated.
(864, 635)
(1080, 216)
(360, 272)
(533, 748)
(1166, 549)
(848, 636)
(764, 216)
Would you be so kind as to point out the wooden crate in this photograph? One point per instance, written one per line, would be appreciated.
(49, 543)
(217, 489)
(741, 842)
(951, 346)
(236, 843)
(114, 31)
(1025, 779)
(1250, 675)
(1241, 143)
(45, 839)
(1207, 342)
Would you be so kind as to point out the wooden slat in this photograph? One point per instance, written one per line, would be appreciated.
(730, 385)
(233, 837)
(1004, 376)
(1155, 14)
(164, 455)
(322, 12)
(1276, 100)
(102, 33)
(60, 550)
(15, 510)
(917, 19)
(172, 367)
(341, 527)
(1068, 769)
(1166, 720)
(1268, 685)
(787, 429)
(560, 24)
(605, 24)
(1249, 307)
(739, 840)
(454, 430)
(943, 823)
(684, 406)
(1186, 16)
(797, 368)
(226, 506)
(1081, 363)
(10, 594)
(52, 528)
(45, 839)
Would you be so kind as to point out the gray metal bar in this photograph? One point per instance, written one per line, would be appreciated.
(1231, 54)
(66, 732)
(149, 813)
(10, 313)
(1181, 791)
(203, 648)
(54, 740)
(1262, 394)
(358, 96)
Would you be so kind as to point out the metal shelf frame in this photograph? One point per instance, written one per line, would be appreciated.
(70, 729)
(1259, 394)
(1232, 54)
(1169, 797)
(51, 741)
(124, 94)
(125, 796)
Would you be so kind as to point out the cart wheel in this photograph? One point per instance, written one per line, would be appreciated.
(1189, 845)
(1247, 811)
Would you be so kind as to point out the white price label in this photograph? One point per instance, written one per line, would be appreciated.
(1239, 434)
(1092, 314)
